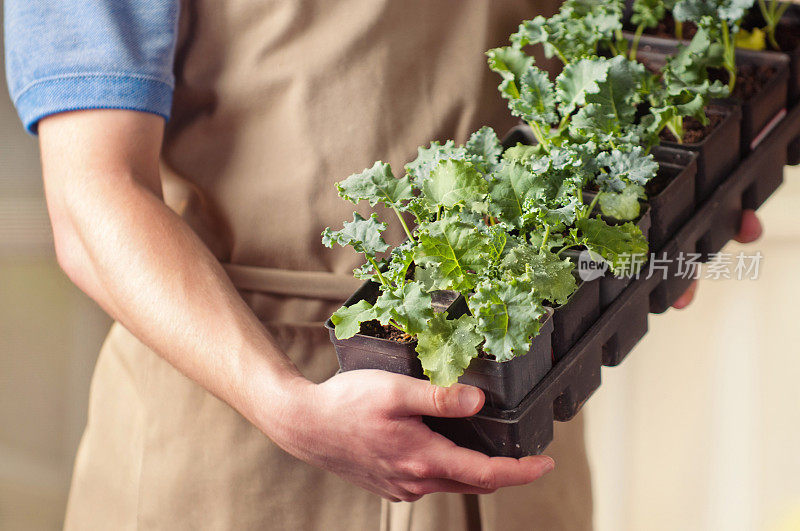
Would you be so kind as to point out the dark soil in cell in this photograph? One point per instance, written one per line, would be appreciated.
(666, 28)
(657, 184)
(392, 333)
(693, 130)
(376, 329)
(750, 79)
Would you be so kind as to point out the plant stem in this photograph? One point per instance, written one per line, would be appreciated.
(564, 121)
(678, 30)
(397, 325)
(762, 5)
(636, 38)
(593, 203)
(558, 53)
(546, 237)
(378, 271)
(565, 248)
(540, 137)
(772, 16)
(729, 59)
(621, 44)
(403, 223)
(676, 128)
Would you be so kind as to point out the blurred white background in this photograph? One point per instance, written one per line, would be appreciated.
(698, 429)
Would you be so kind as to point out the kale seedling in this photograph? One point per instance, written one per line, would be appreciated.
(456, 245)
(772, 12)
(721, 19)
(578, 30)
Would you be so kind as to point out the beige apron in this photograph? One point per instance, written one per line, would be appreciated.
(275, 101)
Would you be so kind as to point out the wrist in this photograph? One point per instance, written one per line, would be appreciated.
(277, 401)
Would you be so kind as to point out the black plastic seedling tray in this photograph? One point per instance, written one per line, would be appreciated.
(671, 193)
(573, 319)
(790, 23)
(528, 428)
(717, 153)
(788, 27)
(760, 111)
(504, 384)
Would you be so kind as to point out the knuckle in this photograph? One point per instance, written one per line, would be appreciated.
(440, 398)
(420, 469)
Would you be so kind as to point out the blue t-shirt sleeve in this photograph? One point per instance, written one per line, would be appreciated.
(89, 54)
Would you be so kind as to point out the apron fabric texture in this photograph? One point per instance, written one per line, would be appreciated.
(275, 101)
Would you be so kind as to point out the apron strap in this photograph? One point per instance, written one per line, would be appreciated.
(307, 284)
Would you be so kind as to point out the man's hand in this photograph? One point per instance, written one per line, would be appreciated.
(366, 426)
(749, 231)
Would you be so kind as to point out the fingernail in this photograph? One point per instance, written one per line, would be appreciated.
(549, 464)
(469, 398)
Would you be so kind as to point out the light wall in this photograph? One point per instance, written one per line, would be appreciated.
(699, 428)
(50, 334)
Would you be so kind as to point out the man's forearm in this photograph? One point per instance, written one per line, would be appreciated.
(124, 247)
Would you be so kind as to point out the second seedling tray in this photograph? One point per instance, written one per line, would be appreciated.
(528, 428)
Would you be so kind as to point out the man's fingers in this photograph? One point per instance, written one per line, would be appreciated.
(685, 299)
(489, 473)
(429, 486)
(411, 397)
(750, 229)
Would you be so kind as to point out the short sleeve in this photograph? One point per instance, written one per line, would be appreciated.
(89, 54)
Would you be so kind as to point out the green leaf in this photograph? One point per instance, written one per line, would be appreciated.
(536, 102)
(366, 272)
(511, 63)
(523, 154)
(400, 260)
(347, 319)
(611, 109)
(549, 277)
(648, 13)
(622, 205)
(376, 185)
(620, 245)
(428, 158)
(420, 209)
(577, 80)
(447, 347)
(531, 32)
(694, 10)
(410, 307)
(363, 234)
(510, 188)
(575, 31)
(455, 182)
(452, 251)
(634, 166)
(498, 241)
(484, 149)
(508, 313)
